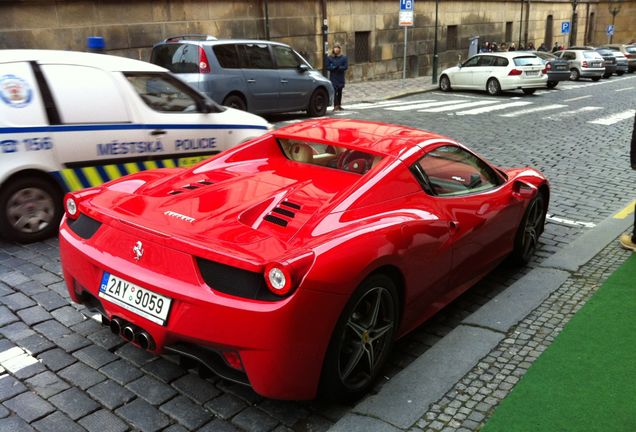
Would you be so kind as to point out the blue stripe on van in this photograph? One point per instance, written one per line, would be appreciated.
(126, 126)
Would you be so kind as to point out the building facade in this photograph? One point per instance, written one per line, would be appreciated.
(368, 30)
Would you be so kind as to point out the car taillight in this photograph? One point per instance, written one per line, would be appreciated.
(204, 65)
(548, 66)
(70, 206)
(630, 55)
(515, 72)
(584, 64)
(284, 276)
(233, 359)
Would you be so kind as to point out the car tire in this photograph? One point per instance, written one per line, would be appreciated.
(621, 73)
(235, 101)
(575, 75)
(528, 91)
(552, 84)
(596, 79)
(361, 340)
(530, 228)
(607, 76)
(444, 83)
(318, 103)
(30, 209)
(493, 87)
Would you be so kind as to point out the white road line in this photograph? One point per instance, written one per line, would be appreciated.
(367, 105)
(577, 98)
(533, 110)
(623, 89)
(573, 113)
(424, 105)
(458, 106)
(487, 109)
(564, 221)
(458, 95)
(345, 113)
(614, 118)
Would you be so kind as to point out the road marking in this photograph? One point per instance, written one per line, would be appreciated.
(614, 118)
(629, 209)
(493, 108)
(344, 113)
(532, 110)
(424, 105)
(564, 114)
(458, 106)
(623, 89)
(368, 105)
(570, 222)
(458, 95)
(577, 98)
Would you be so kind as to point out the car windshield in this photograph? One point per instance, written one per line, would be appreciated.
(631, 49)
(329, 156)
(591, 55)
(545, 56)
(528, 61)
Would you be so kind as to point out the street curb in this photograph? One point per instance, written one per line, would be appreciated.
(408, 396)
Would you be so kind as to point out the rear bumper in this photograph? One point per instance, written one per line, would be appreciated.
(515, 82)
(559, 76)
(592, 72)
(281, 344)
(610, 69)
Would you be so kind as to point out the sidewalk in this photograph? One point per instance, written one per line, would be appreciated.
(373, 91)
(457, 384)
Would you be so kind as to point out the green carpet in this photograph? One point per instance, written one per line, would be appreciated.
(586, 380)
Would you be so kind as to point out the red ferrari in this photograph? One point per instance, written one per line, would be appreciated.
(292, 262)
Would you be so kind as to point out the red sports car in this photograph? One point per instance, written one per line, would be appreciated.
(292, 262)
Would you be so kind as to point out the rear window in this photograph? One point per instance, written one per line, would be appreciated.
(328, 156)
(591, 55)
(177, 58)
(527, 61)
(227, 56)
(631, 49)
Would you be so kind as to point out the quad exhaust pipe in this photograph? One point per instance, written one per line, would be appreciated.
(132, 333)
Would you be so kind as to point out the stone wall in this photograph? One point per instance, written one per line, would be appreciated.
(130, 28)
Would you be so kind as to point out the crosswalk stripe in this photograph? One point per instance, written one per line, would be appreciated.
(424, 105)
(623, 89)
(577, 98)
(458, 106)
(533, 110)
(368, 105)
(487, 109)
(614, 118)
(572, 113)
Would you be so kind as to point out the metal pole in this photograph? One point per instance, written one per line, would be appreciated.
(434, 80)
(266, 21)
(325, 29)
(520, 23)
(406, 39)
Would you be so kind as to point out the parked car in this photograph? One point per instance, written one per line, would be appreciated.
(557, 69)
(291, 263)
(71, 120)
(496, 72)
(628, 50)
(622, 66)
(610, 61)
(583, 63)
(252, 75)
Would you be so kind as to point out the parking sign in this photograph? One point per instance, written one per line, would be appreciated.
(406, 12)
(610, 30)
(565, 27)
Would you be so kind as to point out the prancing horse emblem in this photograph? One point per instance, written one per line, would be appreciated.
(138, 250)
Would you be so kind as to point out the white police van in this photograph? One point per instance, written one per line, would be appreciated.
(70, 120)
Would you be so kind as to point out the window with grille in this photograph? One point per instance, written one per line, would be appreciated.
(451, 37)
(361, 54)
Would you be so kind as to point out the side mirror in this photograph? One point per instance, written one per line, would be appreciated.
(302, 68)
(524, 191)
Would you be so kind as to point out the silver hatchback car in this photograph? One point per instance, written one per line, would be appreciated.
(583, 64)
(251, 75)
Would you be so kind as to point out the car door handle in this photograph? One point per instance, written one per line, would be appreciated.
(251, 81)
(284, 81)
(158, 132)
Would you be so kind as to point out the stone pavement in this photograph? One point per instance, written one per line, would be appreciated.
(369, 91)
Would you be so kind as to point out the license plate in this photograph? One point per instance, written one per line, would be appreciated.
(532, 73)
(596, 65)
(561, 67)
(136, 299)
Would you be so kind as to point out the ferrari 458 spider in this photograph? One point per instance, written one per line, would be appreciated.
(292, 262)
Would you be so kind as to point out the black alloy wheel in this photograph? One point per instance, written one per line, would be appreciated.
(318, 103)
(361, 341)
(531, 227)
(444, 83)
(235, 101)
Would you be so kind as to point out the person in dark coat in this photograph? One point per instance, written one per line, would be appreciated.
(628, 241)
(337, 65)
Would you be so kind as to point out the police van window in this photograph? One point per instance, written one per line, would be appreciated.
(162, 94)
(85, 95)
(20, 101)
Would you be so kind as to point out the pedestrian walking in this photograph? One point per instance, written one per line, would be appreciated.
(337, 65)
(486, 47)
(512, 47)
(542, 47)
(555, 48)
(628, 241)
(530, 46)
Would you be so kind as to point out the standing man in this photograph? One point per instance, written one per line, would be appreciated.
(337, 65)
(629, 241)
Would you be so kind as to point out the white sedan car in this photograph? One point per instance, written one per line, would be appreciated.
(71, 120)
(496, 72)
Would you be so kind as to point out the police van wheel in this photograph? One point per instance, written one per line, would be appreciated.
(30, 209)
(236, 102)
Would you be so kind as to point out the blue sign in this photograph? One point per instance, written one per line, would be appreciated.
(407, 5)
(610, 30)
(565, 27)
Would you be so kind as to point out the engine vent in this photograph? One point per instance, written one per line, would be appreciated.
(283, 215)
(191, 186)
